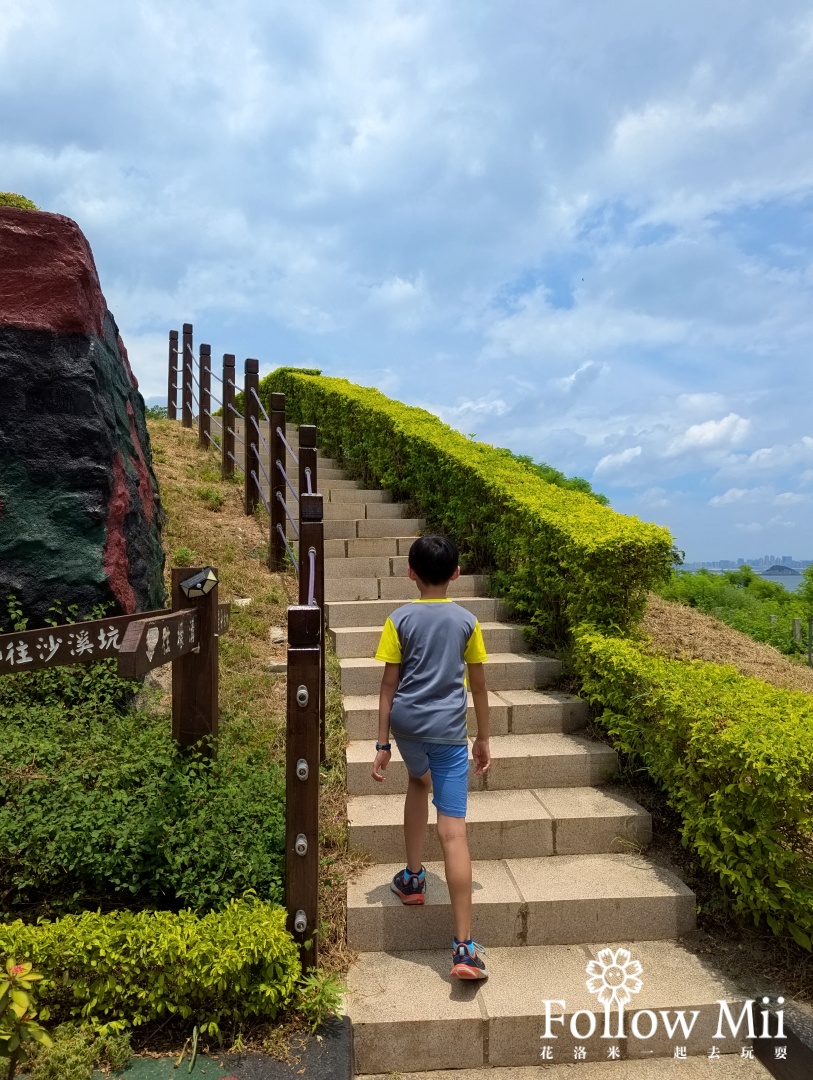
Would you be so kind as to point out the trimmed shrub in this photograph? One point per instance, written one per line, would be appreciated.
(8, 198)
(557, 555)
(130, 968)
(734, 757)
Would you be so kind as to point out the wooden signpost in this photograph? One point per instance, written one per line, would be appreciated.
(186, 637)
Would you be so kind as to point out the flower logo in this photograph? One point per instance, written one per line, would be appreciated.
(614, 977)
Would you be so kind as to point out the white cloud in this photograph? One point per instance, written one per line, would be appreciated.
(711, 434)
(614, 463)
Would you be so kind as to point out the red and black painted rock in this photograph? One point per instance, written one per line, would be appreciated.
(80, 514)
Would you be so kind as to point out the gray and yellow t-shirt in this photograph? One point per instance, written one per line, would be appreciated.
(432, 640)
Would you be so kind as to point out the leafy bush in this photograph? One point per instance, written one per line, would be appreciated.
(97, 803)
(557, 555)
(156, 412)
(764, 610)
(8, 198)
(76, 1049)
(734, 757)
(129, 968)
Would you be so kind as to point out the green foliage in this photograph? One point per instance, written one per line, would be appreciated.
(556, 554)
(319, 996)
(554, 476)
(19, 1030)
(97, 803)
(764, 610)
(156, 412)
(804, 594)
(183, 556)
(264, 392)
(8, 198)
(130, 968)
(734, 757)
(76, 1050)
(212, 498)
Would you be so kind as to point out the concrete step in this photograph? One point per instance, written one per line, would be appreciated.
(366, 566)
(524, 902)
(352, 528)
(362, 510)
(362, 640)
(356, 494)
(510, 824)
(504, 671)
(405, 1008)
(373, 613)
(401, 588)
(517, 762)
(519, 712)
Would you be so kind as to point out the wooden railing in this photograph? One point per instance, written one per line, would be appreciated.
(297, 537)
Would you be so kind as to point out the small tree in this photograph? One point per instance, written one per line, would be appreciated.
(804, 594)
(8, 198)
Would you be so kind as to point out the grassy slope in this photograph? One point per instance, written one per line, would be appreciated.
(206, 516)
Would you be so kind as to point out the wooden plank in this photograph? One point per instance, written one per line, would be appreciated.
(172, 381)
(227, 420)
(277, 498)
(151, 643)
(251, 412)
(186, 376)
(302, 792)
(73, 643)
(223, 618)
(204, 389)
(195, 674)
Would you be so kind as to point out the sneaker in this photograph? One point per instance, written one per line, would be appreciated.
(467, 961)
(410, 887)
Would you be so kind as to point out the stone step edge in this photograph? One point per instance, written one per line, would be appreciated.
(526, 901)
(503, 1021)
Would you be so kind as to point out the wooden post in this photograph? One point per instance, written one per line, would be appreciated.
(205, 387)
(312, 538)
(227, 420)
(307, 462)
(277, 500)
(195, 676)
(302, 781)
(172, 382)
(186, 372)
(251, 412)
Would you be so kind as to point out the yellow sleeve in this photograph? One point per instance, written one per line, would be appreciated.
(476, 648)
(389, 646)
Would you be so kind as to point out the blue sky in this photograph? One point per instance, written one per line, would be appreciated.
(584, 231)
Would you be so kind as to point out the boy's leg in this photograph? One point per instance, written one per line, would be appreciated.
(457, 863)
(416, 818)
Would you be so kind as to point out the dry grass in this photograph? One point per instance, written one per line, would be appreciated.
(207, 526)
(683, 633)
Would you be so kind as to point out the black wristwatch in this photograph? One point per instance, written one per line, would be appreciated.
(383, 745)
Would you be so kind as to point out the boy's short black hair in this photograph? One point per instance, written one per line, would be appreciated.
(434, 559)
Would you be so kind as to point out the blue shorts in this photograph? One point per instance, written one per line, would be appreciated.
(448, 765)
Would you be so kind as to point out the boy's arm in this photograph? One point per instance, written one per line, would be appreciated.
(480, 750)
(389, 684)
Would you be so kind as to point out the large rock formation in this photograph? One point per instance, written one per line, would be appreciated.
(80, 516)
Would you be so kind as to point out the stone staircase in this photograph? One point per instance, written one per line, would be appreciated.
(558, 863)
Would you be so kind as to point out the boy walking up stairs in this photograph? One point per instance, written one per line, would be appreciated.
(563, 896)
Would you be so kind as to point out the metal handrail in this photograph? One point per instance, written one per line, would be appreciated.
(281, 531)
(291, 487)
(236, 462)
(211, 440)
(281, 434)
(260, 491)
(312, 581)
(287, 512)
(213, 375)
(235, 435)
(265, 474)
(262, 440)
(236, 413)
(256, 397)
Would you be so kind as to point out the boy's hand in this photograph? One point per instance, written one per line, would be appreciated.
(481, 754)
(382, 760)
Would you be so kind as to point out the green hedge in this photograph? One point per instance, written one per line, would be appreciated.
(559, 556)
(128, 969)
(734, 757)
(20, 202)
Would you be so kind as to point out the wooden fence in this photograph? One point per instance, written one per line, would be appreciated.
(247, 440)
